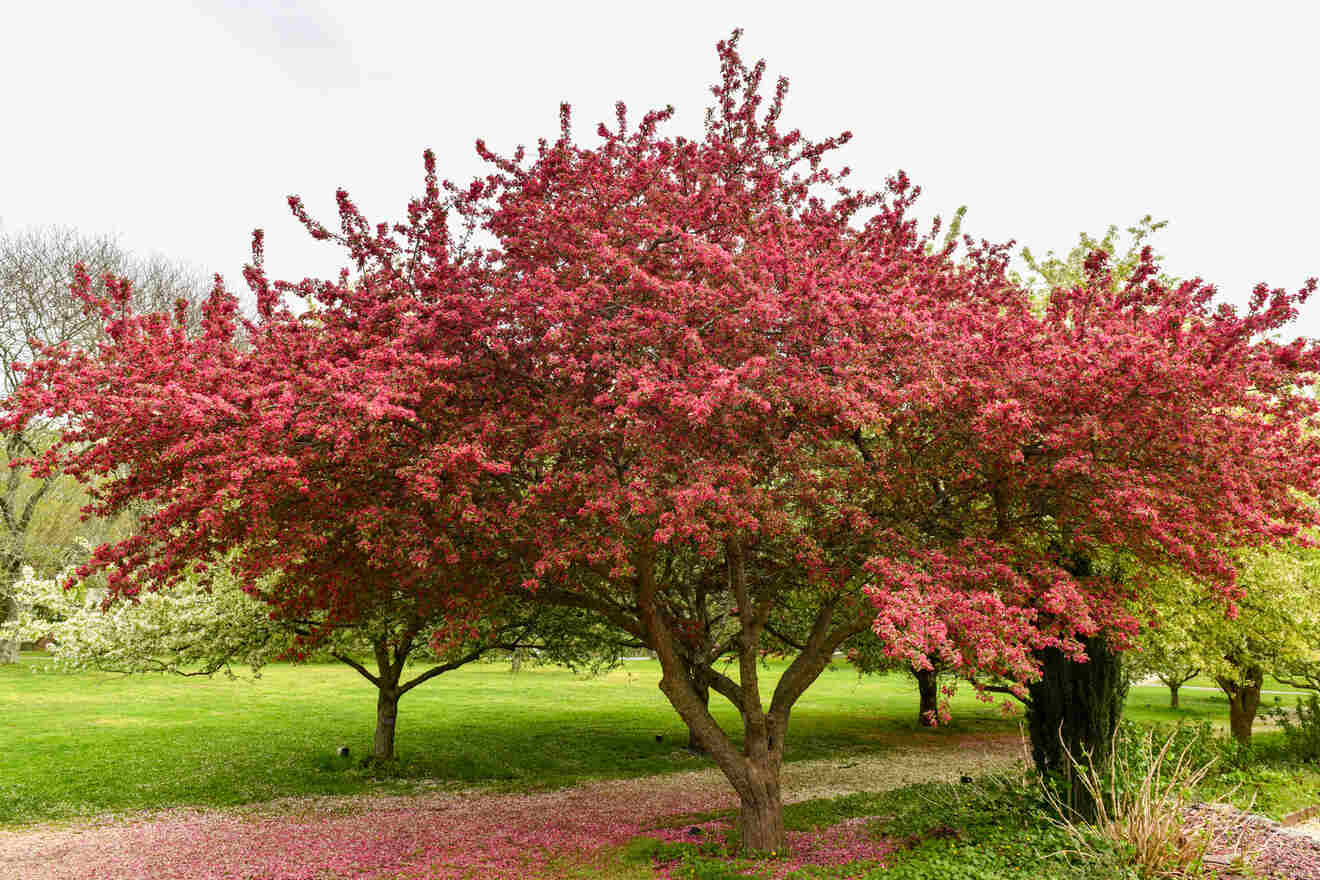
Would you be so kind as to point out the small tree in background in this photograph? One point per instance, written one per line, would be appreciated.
(1274, 630)
(1168, 664)
(200, 629)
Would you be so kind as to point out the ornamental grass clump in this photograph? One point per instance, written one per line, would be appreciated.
(1141, 797)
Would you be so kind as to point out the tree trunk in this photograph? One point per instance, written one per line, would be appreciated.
(753, 771)
(1243, 701)
(703, 694)
(8, 647)
(1074, 711)
(753, 768)
(928, 687)
(1173, 695)
(761, 812)
(387, 713)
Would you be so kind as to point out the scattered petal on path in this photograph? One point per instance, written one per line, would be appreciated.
(451, 835)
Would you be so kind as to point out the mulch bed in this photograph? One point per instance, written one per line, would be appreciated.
(1246, 845)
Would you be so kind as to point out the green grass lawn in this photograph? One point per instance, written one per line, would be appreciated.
(89, 743)
(84, 744)
(1150, 704)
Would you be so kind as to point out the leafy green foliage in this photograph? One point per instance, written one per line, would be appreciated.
(1302, 733)
(1273, 628)
(1070, 269)
(996, 828)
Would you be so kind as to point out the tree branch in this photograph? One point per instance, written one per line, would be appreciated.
(442, 668)
(344, 658)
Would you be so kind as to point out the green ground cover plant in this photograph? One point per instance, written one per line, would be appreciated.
(995, 828)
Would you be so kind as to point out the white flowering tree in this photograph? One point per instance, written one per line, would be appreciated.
(196, 630)
(187, 631)
(39, 516)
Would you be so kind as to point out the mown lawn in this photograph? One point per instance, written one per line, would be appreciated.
(1150, 703)
(77, 745)
(83, 744)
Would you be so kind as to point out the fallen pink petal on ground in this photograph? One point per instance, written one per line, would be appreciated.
(441, 836)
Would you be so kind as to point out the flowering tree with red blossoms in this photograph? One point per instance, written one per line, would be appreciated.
(706, 391)
(1128, 425)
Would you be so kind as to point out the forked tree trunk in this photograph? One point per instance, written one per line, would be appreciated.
(1174, 682)
(1073, 715)
(1243, 702)
(754, 774)
(390, 660)
(389, 671)
(753, 769)
(928, 688)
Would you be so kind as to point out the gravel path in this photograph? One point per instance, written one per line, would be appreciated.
(447, 834)
(435, 834)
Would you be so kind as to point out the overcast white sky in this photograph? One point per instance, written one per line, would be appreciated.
(180, 126)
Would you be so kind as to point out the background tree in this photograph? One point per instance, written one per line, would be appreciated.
(1274, 630)
(871, 656)
(1124, 247)
(1053, 486)
(39, 518)
(1153, 657)
(199, 629)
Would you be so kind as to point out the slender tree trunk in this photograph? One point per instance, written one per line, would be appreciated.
(702, 689)
(928, 688)
(8, 611)
(1243, 702)
(387, 713)
(390, 660)
(1173, 695)
(1074, 710)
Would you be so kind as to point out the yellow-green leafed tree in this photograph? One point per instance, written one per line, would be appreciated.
(1274, 630)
